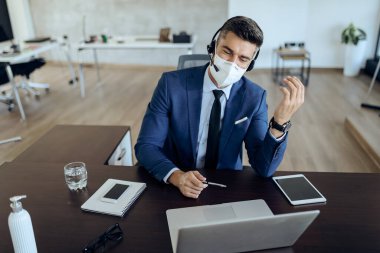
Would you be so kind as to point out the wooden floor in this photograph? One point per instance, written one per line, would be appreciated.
(318, 140)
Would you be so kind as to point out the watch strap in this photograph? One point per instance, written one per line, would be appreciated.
(282, 128)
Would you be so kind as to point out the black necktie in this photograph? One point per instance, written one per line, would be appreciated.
(213, 132)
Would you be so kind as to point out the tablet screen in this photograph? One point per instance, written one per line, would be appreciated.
(297, 188)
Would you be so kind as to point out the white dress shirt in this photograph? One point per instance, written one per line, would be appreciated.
(208, 99)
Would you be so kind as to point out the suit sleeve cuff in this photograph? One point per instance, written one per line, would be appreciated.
(165, 179)
(279, 139)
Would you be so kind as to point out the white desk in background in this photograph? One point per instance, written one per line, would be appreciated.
(31, 50)
(124, 43)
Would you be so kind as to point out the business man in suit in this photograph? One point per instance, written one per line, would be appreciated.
(199, 117)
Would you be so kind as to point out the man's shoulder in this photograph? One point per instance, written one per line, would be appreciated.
(251, 86)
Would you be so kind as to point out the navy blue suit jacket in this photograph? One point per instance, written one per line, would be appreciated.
(169, 132)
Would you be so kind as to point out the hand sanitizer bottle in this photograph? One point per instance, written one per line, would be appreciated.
(20, 226)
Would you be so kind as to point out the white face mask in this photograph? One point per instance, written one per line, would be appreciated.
(229, 72)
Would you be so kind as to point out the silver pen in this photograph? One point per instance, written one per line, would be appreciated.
(215, 184)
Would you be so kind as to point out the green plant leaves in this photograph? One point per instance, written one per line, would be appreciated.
(352, 35)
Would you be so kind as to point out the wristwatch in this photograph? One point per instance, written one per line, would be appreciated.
(282, 128)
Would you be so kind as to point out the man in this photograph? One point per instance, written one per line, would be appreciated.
(199, 117)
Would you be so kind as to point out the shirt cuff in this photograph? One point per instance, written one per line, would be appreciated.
(279, 139)
(169, 174)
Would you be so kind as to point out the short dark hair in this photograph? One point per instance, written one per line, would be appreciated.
(245, 28)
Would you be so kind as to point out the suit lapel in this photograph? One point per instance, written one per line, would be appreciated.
(194, 87)
(233, 107)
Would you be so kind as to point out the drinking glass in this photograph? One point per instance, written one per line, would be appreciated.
(75, 175)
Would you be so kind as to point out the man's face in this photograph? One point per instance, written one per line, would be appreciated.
(234, 49)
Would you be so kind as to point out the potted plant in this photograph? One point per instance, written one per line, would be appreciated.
(354, 40)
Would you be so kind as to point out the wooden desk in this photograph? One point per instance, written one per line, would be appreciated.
(69, 143)
(349, 222)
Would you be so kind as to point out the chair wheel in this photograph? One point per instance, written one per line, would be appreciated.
(10, 107)
(37, 97)
(4, 93)
(71, 81)
(47, 90)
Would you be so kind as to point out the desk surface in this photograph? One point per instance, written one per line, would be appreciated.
(69, 143)
(289, 52)
(136, 42)
(29, 51)
(349, 222)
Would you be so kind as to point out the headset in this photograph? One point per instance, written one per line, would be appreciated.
(211, 51)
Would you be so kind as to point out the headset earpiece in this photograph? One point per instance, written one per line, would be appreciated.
(211, 46)
(252, 64)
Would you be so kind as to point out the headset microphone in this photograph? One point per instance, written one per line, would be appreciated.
(212, 63)
(211, 49)
(215, 67)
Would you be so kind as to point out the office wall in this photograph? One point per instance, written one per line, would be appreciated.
(130, 17)
(317, 22)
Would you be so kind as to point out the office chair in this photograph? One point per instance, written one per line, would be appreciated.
(8, 100)
(192, 60)
(4, 97)
(24, 70)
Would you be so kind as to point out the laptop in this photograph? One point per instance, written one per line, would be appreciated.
(234, 227)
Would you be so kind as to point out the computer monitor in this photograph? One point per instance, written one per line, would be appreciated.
(5, 23)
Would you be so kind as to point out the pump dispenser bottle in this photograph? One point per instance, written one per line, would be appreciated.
(20, 226)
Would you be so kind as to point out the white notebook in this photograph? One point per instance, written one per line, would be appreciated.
(114, 197)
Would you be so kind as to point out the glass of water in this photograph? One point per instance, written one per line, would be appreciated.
(75, 175)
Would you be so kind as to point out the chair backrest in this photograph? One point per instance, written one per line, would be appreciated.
(192, 60)
(27, 68)
(3, 75)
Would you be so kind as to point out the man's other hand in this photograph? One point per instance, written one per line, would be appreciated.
(189, 183)
(293, 98)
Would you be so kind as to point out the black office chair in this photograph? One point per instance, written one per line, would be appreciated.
(192, 60)
(8, 100)
(27, 68)
(24, 70)
(4, 97)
